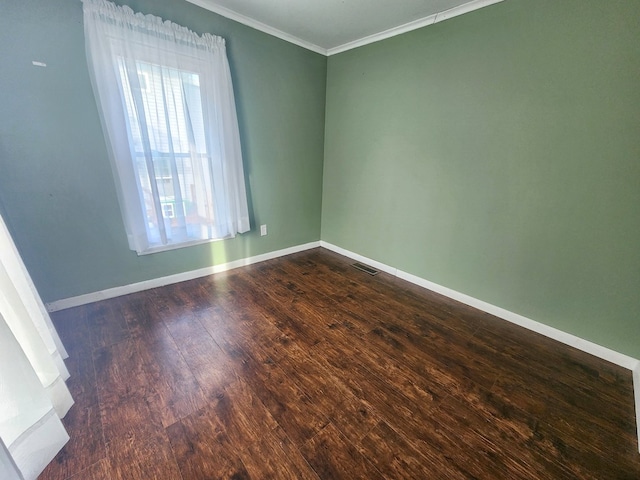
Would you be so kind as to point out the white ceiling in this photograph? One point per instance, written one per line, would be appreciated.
(333, 26)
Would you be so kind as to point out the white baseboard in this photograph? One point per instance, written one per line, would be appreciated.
(636, 391)
(176, 278)
(563, 337)
(594, 349)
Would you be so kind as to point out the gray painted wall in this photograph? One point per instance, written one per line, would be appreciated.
(57, 191)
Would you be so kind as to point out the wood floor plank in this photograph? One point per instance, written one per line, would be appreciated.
(174, 391)
(332, 456)
(210, 366)
(412, 385)
(250, 425)
(425, 330)
(107, 326)
(242, 413)
(583, 454)
(396, 458)
(267, 303)
(119, 371)
(255, 327)
(84, 448)
(286, 402)
(143, 455)
(304, 367)
(128, 421)
(136, 443)
(203, 449)
(98, 471)
(563, 376)
(377, 393)
(556, 403)
(437, 338)
(271, 459)
(489, 437)
(75, 334)
(381, 291)
(73, 329)
(353, 417)
(295, 412)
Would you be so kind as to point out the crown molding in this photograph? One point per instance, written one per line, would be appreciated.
(465, 8)
(212, 6)
(413, 25)
(392, 32)
(250, 22)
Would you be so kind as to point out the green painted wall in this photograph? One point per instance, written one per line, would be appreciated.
(57, 192)
(498, 154)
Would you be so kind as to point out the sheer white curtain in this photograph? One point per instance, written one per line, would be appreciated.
(33, 393)
(167, 109)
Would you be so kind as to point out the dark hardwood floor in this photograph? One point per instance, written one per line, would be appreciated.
(304, 368)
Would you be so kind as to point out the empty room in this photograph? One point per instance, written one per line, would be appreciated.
(319, 240)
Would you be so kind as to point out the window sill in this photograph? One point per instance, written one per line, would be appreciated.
(175, 246)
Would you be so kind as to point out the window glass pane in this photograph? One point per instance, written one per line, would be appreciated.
(172, 124)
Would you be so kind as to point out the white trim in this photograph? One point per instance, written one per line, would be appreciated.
(212, 6)
(464, 8)
(359, 258)
(559, 335)
(391, 32)
(178, 277)
(250, 22)
(636, 391)
(413, 25)
(551, 332)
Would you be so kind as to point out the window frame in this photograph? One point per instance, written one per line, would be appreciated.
(214, 183)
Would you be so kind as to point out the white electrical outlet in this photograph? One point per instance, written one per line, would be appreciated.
(263, 230)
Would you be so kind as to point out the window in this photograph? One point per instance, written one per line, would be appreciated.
(167, 210)
(168, 113)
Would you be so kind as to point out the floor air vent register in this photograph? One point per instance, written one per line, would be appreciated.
(365, 268)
